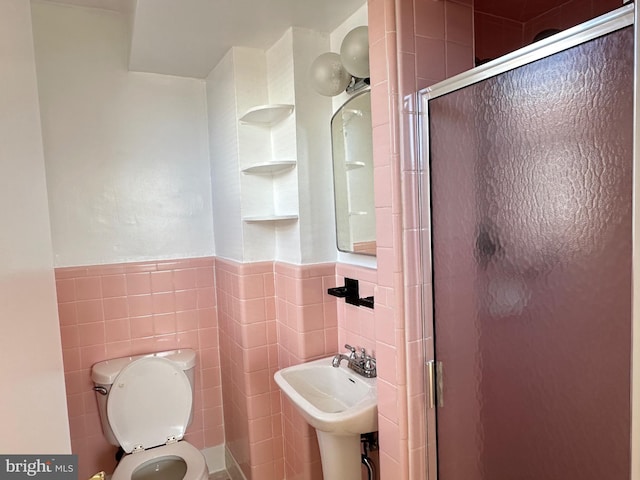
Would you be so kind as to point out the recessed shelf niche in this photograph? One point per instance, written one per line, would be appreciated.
(266, 115)
(353, 165)
(269, 218)
(270, 168)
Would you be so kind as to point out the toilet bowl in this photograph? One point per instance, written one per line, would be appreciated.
(177, 461)
(145, 405)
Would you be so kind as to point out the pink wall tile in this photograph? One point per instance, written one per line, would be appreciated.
(91, 333)
(113, 307)
(376, 21)
(109, 311)
(67, 314)
(71, 358)
(435, 40)
(164, 323)
(186, 320)
(405, 27)
(117, 349)
(87, 288)
(69, 336)
(139, 305)
(184, 279)
(163, 302)
(89, 311)
(162, 281)
(458, 58)
(245, 299)
(496, 36)
(459, 23)
(112, 286)
(306, 330)
(138, 283)
(252, 287)
(186, 300)
(429, 19)
(206, 297)
(389, 438)
(431, 58)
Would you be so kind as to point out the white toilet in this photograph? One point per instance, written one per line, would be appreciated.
(146, 404)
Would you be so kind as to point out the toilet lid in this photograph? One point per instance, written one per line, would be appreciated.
(149, 403)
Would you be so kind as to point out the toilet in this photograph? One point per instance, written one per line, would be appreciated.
(146, 404)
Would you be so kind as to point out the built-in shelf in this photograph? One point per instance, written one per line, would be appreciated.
(352, 165)
(270, 168)
(267, 115)
(269, 218)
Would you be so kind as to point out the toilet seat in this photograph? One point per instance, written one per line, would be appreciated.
(196, 465)
(149, 404)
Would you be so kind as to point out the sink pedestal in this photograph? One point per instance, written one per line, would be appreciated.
(340, 456)
(340, 404)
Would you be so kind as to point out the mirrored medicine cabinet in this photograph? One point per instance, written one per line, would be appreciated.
(352, 149)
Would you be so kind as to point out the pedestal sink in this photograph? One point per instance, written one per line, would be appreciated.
(340, 405)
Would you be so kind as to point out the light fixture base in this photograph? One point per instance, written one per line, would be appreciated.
(357, 84)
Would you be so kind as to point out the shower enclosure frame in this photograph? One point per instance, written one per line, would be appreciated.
(620, 18)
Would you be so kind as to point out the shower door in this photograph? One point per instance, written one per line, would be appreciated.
(530, 166)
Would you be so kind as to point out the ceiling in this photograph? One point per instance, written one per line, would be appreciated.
(123, 6)
(518, 10)
(189, 37)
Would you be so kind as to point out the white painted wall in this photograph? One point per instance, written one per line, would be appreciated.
(126, 152)
(315, 171)
(223, 148)
(33, 411)
(255, 77)
(254, 146)
(281, 86)
(236, 85)
(244, 79)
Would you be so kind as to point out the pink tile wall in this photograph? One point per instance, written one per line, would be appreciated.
(356, 325)
(110, 311)
(307, 329)
(435, 41)
(307, 321)
(249, 358)
(414, 43)
(567, 15)
(391, 36)
(496, 36)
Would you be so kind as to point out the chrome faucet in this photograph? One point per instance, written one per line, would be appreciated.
(362, 364)
(338, 358)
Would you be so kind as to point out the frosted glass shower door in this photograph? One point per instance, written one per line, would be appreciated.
(531, 177)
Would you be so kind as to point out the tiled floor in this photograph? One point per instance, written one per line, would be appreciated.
(223, 475)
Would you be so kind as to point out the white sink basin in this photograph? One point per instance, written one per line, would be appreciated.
(332, 400)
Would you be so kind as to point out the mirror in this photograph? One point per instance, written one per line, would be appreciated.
(352, 148)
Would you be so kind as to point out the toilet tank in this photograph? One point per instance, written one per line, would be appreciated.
(104, 374)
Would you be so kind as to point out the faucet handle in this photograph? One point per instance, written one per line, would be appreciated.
(370, 366)
(352, 350)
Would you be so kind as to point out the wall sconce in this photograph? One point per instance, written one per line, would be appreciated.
(332, 74)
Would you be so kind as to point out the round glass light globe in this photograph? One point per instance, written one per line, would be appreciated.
(328, 76)
(354, 52)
